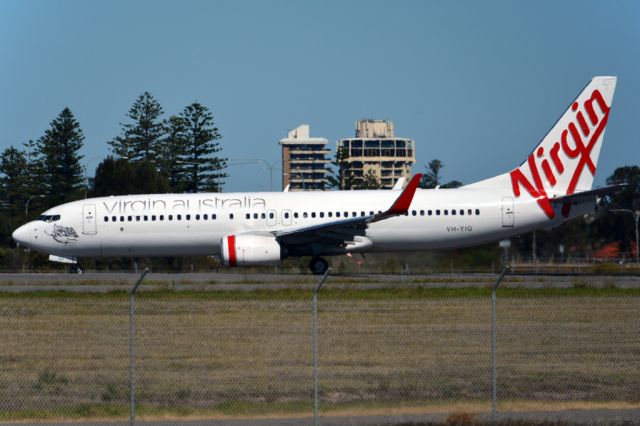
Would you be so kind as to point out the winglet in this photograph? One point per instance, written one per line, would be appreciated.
(402, 203)
(399, 186)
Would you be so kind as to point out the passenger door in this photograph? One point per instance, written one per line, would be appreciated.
(507, 212)
(89, 225)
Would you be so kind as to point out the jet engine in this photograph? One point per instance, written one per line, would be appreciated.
(250, 250)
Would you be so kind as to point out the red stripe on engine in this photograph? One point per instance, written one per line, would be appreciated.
(231, 242)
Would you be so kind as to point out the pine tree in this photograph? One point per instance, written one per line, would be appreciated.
(340, 176)
(205, 170)
(14, 181)
(432, 177)
(172, 151)
(59, 160)
(140, 139)
(370, 180)
(121, 177)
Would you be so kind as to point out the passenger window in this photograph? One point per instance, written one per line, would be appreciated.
(337, 214)
(153, 217)
(205, 216)
(370, 213)
(313, 214)
(453, 212)
(263, 216)
(346, 214)
(414, 213)
(187, 217)
(129, 218)
(469, 212)
(146, 218)
(461, 212)
(437, 212)
(271, 215)
(295, 215)
(330, 214)
(421, 212)
(321, 214)
(429, 212)
(255, 215)
(446, 212)
(363, 214)
(305, 215)
(477, 212)
(137, 218)
(121, 218)
(106, 218)
(213, 216)
(179, 217)
(286, 215)
(247, 216)
(170, 217)
(231, 216)
(197, 217)
(354, 214)
(113, 218)
(161, 217)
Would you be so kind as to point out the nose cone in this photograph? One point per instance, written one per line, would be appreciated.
(21, 235)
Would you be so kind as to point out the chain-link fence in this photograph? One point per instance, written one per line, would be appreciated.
(250, 354)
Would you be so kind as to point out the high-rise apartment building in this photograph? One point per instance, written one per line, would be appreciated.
(375, 154)
(304, 160)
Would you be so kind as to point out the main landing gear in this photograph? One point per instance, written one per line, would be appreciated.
(318, 266)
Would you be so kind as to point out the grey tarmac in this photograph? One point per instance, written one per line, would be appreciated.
(215, 281)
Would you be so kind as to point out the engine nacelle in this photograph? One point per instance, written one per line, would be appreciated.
(250, 250)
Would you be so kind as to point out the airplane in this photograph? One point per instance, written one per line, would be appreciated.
(553, 185)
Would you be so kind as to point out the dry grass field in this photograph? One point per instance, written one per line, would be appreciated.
(200, 354)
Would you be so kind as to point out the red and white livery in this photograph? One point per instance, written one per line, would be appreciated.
(551, 186)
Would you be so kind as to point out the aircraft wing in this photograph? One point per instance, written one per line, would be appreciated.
(338, 232)
(587, 195)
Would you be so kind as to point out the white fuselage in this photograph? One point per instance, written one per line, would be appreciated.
(552, 185)
(195, 224)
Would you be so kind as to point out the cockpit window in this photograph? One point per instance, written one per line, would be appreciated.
(49, 218)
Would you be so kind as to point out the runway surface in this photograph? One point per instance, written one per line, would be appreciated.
(213, 281)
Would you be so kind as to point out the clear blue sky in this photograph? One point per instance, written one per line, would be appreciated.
(476, 84)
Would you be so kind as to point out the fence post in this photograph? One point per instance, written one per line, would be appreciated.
(132, 348)
(314, 330)
(494, 359)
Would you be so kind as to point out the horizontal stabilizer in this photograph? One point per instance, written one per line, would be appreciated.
(583, 195)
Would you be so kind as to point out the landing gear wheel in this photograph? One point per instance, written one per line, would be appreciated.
(318, 266)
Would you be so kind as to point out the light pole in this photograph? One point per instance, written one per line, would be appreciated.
(300, 175)
(266, 166)
(636, 217)
(26, 205)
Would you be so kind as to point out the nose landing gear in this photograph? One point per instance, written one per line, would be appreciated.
(318, 266)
